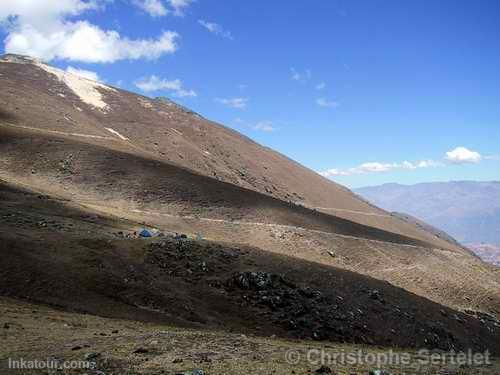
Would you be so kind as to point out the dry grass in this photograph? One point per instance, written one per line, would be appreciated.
(38, 332)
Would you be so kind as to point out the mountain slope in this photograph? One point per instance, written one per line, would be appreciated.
(153, 162)
(91, 173)
(38, 96)
(60, 253)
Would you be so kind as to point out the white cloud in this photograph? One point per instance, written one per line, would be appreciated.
(376, 167)
(239, 103)
(265, 126)
(83, 73)
(154, 83)
(320, 86)
(459, 155)
(42, 14)
(179, 6)
(462, 155)
(154, 8)
(301, 77)
(429, 164)
(216, 29)
(333, 172)
(43, 29)
(322, 102)
(373, 167)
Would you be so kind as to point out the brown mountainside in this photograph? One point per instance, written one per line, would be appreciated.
(33, 96)
(154, 162)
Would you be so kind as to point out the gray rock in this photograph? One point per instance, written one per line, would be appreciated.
(323, 370)
(194, 372)
(90, 356)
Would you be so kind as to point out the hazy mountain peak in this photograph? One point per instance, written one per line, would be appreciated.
(467, 210)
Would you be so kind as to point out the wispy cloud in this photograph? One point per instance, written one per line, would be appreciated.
(154, 8)
(462, 155)
(323, 102)
(491, 157)
(265, 126)
(179, 6)
(238, 103)
(216, 29)
(301, 77)
(154, 83)
(377, 167)
(320, 86)
(459, 155)
(157, 8)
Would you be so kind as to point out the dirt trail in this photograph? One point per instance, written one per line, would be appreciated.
(58, 132)
(249, 223)
(350, 211)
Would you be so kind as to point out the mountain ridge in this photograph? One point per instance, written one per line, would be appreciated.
(206, 147)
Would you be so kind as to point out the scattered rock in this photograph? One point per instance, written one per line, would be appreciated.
(375, 294)
(91, 356)
(378, 372)
(256, 280)
(324, 370)
(194, 372)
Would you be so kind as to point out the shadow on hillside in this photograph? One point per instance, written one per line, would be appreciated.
(191, 283)
(7, 116)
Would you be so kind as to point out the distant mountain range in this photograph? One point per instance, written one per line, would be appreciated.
(469, 211)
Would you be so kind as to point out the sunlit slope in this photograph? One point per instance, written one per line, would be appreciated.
(38, 96)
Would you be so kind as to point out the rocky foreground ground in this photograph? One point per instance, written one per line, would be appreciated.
(114, 346)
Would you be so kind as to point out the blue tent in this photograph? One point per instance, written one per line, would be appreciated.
(145, 233)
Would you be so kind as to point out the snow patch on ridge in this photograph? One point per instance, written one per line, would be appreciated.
(18, 59)
(86, 89)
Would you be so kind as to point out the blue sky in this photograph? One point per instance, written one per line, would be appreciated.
(366, 92)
